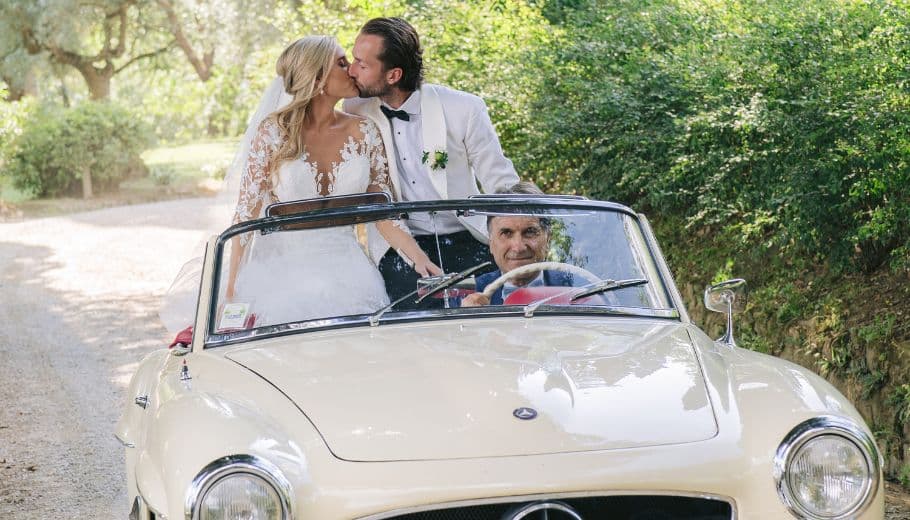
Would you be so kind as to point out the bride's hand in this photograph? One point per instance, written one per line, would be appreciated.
(427, 268)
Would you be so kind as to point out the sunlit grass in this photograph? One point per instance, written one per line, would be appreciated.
(192, 160)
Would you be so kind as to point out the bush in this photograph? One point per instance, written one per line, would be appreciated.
(216, 170)
(163, 174)
(57, 146)
(13, 116)
(784, 122)
(500, 51)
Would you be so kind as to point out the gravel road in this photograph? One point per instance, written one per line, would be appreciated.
(78, 302)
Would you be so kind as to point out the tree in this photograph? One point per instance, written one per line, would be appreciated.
(98, 38)
(16, 66)
(202, 59)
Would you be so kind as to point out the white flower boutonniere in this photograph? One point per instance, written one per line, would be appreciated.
(440, 158)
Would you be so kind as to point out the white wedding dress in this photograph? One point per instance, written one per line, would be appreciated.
(317, 273)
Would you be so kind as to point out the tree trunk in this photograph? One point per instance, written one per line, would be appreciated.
(98, 81)
(86, 183)
(13, 93)
(201, 62)
(17, 88)
(30, 83)
(114, 46)
(64, 94)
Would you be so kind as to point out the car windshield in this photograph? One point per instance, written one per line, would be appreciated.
(334, 267)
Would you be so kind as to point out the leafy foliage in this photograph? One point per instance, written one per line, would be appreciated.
(500, 51)
(782, 124)
(785, 122)
(13, 116)
(58, 146)
(89, 37)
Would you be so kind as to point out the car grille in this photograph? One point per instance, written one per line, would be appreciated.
(636, 507)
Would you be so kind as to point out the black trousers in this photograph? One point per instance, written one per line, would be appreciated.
(459, 252)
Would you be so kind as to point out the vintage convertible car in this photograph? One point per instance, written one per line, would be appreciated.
(588, 394)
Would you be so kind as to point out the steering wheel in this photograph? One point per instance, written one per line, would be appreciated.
(538, 266)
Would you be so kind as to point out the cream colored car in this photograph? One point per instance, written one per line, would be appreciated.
(582, 390)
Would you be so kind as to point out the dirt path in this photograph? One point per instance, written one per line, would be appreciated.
(78, 302)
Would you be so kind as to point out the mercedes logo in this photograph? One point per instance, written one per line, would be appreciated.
(544, 511)
(524, 413)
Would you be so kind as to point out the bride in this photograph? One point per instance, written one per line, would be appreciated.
(304, 149)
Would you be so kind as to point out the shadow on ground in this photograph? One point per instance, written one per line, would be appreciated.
(65, 359)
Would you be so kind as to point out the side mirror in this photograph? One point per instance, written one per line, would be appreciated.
(727, 297)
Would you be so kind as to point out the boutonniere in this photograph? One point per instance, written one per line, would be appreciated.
(440, 158)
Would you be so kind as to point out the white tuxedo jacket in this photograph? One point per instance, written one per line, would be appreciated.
(458, 123)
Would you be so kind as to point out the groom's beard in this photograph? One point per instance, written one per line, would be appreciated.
(375, 91)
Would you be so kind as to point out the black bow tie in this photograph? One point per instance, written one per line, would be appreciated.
(391, 114)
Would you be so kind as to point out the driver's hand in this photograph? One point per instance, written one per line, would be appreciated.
(475, 300)
(427, 268)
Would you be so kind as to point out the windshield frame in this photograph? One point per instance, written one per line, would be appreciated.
(397, 210)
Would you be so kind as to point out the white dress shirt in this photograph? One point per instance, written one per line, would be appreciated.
(414, 185)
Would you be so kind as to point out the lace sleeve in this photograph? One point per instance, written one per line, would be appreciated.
(379, 163)
(255, 184)
(380, 180)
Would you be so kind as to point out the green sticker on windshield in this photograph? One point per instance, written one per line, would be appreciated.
(233, 316)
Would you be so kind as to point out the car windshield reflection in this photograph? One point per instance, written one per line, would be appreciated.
(331, 267)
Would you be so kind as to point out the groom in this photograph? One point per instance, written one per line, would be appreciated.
(440, 144)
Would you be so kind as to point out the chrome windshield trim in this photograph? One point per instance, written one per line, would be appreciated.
(374, 212)
(551, 496)
(481, 196)
(816, 427)
(230, 465)
(285, 329)
(669, 283)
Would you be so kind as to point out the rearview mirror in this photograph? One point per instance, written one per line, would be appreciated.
(728, 297)
(336, 201)
(296, 207)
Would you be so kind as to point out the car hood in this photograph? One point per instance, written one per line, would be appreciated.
(448, 389)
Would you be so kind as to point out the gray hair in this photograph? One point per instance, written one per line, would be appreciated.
(522, 188)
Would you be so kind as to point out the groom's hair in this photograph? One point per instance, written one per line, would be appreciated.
(400, 48)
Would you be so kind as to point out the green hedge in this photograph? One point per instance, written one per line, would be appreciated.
(786, 122)
(56, 146)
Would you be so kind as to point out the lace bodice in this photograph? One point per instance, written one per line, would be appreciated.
(363, 167)
(309, 261)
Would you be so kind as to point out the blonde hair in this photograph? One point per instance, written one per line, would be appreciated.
(304, 65)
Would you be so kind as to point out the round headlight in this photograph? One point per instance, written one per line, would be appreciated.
(827, 468)
(241, 497)
(239, 487)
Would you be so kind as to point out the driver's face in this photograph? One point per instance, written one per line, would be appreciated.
(518, 241)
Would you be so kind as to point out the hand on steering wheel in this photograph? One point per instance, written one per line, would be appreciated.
(538, 266)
